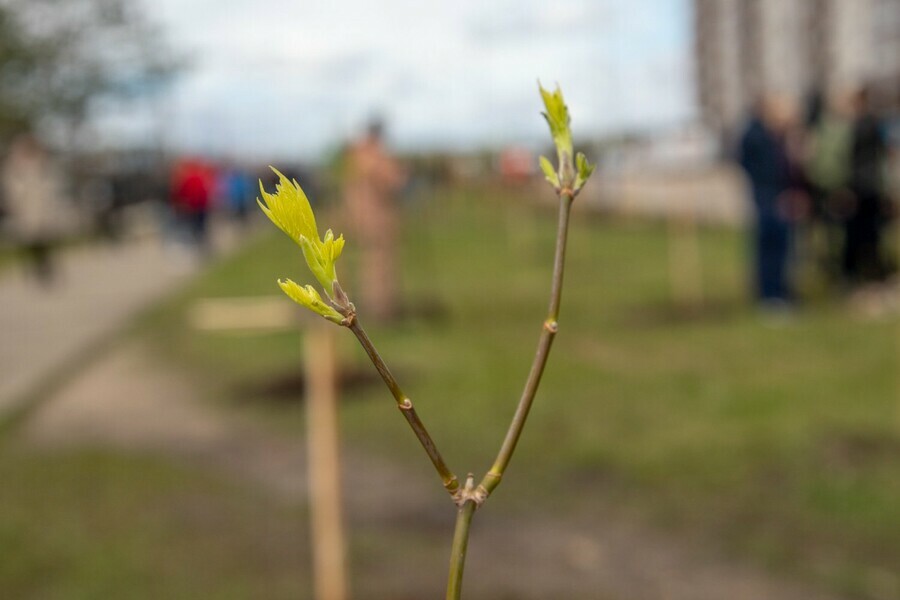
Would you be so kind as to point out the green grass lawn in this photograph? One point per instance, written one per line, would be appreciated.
(91, 524)
(781, 444)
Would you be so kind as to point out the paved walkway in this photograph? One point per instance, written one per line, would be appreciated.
(99, 288)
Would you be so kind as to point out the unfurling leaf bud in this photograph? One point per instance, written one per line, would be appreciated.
(584, 170)
(549, 174)
(308, 296)
(569, 175)
(289, 209)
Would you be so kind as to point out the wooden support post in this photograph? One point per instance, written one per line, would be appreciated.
(685, 268)
(325, 505)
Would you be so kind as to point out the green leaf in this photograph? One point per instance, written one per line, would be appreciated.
(332, 248)
(316, 262)
(308, 297)
(549, 172)
(557, 116)
(289, 208)
(584, 170)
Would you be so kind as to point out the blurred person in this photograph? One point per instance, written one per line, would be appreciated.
(191, 198)
(828, 157)
(372, 179)
(516, 165)
(237, 189)
(764, 156)
(32, 187)
(863, 260)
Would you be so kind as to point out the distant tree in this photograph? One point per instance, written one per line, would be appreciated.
(58, 57)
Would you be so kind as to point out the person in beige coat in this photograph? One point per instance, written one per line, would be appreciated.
(31, 193)
(373, 178)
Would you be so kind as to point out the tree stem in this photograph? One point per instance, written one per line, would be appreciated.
(492, 479)
(460, 544)
(406, 408)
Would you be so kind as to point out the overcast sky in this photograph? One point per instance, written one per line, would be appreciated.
(273, 77)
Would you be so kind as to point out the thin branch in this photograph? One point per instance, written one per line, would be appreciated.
(492, 479)
(406, 408)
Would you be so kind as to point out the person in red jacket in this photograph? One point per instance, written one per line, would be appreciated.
(191, 197)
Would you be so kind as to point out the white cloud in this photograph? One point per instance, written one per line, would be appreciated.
(293, 78)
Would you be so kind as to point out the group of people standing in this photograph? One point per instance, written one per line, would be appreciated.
(821, 181)
(197, 187)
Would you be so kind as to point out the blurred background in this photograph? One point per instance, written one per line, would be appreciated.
(720, 417)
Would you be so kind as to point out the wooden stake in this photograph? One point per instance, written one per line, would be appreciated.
(685, 268)
(328, 547)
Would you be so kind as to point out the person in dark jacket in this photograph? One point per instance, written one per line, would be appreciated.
(863, 260)
(764, 157)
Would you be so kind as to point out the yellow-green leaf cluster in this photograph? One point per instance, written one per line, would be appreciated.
(289, 209)
(571, 174)
(291, 212)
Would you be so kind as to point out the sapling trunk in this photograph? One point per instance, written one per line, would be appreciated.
(464, 515)
(289, 209)
(493, 477)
